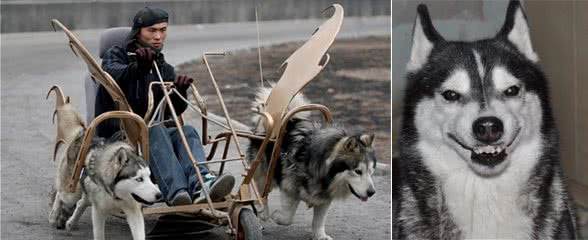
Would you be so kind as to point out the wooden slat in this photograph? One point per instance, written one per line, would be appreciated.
(302, 66)
(194, 208)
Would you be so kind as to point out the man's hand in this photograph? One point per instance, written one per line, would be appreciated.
(144, 58)
(183, 82)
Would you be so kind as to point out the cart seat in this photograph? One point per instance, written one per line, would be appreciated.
(109, 38)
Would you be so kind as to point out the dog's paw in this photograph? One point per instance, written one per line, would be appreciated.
(60, 223)
(52, 217)
(280, 218)
(69, 225)
(323, 237)
(264, 214)
(55, 219)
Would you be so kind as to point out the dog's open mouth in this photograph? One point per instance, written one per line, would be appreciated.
(141, 200)
(487, 155)
(363, 199)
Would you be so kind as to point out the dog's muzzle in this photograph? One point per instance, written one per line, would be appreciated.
(370, 193)
(141, 200)
(487, 155)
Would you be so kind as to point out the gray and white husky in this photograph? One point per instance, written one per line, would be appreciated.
(317, 165)
(115, 180)
(479, 154)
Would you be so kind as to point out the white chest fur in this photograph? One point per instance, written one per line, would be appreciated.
(483, 207)
(486, 208)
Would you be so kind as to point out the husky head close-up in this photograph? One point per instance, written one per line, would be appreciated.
(122, 173)
(354, 161)
(481, 105)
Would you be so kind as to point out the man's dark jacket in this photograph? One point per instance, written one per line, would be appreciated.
(121, 63)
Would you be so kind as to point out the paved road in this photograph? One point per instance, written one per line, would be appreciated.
(32, 62)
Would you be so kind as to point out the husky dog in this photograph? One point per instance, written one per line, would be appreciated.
(115, 179)
(317, 165)
(479, 147)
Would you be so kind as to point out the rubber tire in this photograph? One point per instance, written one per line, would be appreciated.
(249, 224)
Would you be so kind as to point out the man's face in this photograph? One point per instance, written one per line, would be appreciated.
(154, 35)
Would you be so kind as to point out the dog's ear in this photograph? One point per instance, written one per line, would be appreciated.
(516, 30)
(367, 139)
(424, 38)
(121, 156)
(350, 145)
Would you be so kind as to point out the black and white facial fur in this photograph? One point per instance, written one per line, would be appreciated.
(118, 180)
(479, 146)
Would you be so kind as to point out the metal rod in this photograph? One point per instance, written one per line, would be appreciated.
(258, 46)
(220, 161)
(222, 102)
(203, 112)
(195, 208)
(225, 152)
(184, 141)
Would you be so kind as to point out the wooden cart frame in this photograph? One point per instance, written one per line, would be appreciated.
(301, 67)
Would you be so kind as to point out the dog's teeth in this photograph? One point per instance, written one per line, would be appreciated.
(488, 149)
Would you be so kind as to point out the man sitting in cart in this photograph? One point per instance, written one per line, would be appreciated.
(132, 68)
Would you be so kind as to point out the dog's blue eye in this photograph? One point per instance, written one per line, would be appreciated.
(451, 95)
(358, 172)
(139, 179)
(512, 91)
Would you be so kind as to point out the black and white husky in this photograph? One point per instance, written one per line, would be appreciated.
(479, 154)
(115, 180)
(317, 164)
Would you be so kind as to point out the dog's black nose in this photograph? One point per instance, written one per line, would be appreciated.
(158, 196)
(371, 192)
(488, 129)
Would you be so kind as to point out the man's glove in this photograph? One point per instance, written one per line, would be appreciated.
(183, 82)
(144, 58)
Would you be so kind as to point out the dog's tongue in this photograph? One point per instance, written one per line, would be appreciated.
(364, 199)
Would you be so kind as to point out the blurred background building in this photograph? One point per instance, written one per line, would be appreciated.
(35, 15)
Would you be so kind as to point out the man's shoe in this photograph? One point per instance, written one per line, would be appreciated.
(181, 198)
(219, 187)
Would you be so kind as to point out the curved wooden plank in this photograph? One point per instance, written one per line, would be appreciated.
(302, 66)
(131, 128)
(143, 139)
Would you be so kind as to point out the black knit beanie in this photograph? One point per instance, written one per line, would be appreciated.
(147, 17)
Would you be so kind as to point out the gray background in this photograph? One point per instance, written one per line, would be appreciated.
(29, 16)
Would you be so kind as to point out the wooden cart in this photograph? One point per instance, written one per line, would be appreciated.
(238, 210)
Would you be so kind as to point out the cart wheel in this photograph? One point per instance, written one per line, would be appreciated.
(249, 227)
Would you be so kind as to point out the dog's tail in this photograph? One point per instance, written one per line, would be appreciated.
(262, 95)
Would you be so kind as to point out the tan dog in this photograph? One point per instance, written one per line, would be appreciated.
(70, 131)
